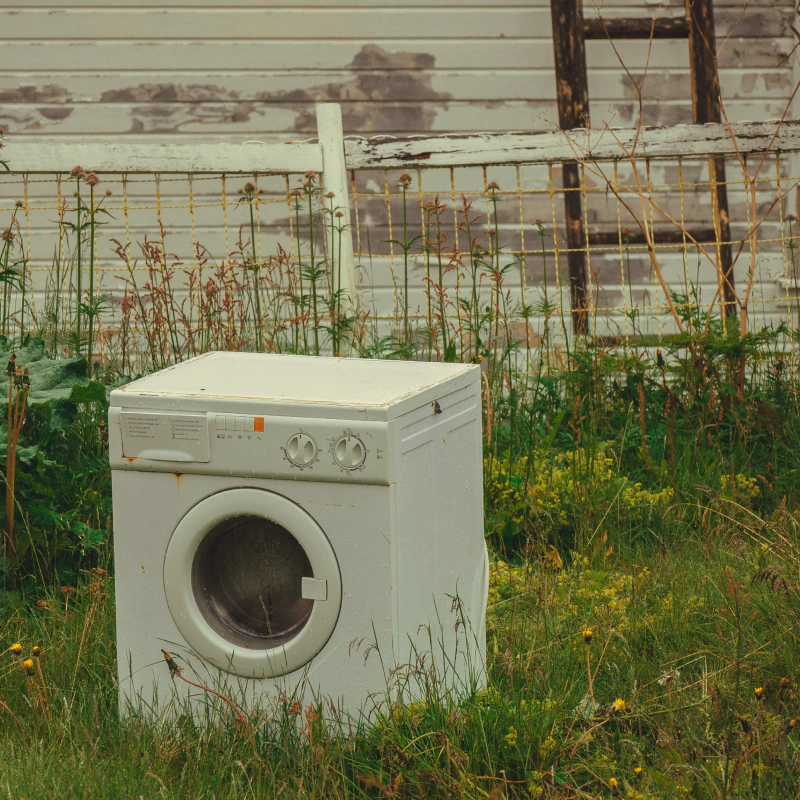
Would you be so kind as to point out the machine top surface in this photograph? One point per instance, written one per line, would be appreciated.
(288, 384)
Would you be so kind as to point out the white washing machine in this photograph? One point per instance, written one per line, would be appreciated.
(297, 527)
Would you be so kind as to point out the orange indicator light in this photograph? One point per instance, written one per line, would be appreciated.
(258, 425)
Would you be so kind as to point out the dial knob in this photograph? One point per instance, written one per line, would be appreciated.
(301, 449)
(349, 451)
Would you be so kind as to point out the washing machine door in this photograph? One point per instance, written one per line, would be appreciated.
(252, 583)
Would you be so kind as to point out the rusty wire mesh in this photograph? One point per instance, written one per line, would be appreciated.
(526, 228)
(446, 257)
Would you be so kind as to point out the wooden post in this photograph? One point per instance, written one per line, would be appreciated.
(706, 108)
(334, 179)
(572, 91)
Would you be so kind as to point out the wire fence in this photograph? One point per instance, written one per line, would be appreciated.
(520, 222)
(459, 260)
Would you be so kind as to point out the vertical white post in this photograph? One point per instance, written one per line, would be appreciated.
(334, 179)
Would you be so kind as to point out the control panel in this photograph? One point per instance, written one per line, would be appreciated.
(305, 449)
(250, 445)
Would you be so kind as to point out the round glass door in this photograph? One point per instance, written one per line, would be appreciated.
(252, 583)
(247, 580)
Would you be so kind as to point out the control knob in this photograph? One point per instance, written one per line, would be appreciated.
(301, 450)
(349, 451)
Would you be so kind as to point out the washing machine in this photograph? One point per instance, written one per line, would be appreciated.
(298, 528)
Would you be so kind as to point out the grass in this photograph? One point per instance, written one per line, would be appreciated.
(682, 638)
(656, 507)
(642, 511)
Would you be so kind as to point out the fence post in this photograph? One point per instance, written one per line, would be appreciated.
(334, 179)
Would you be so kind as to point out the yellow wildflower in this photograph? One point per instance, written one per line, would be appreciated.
(587, 636)
(16, 648)
(619, 706)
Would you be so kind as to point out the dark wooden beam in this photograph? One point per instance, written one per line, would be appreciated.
(706, 108)
(572, 92)
(630, 28)
(660, 236)
(703, 59)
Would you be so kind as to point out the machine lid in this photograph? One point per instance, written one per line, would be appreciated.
(252, 583)
(288, 385)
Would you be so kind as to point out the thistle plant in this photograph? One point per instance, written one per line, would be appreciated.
(86, 223)
(546, 308)
(12, 264)
(3, 164)
(315, 272)
(297, 296)
(434, 246)
(337, 310)
(18, 387)
(77, 173)
(475, 255)
(406, 244)
(252, 265)
(791, 246)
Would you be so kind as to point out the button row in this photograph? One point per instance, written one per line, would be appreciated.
(239, 422)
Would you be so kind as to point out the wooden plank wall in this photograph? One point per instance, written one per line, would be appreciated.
(202, 71)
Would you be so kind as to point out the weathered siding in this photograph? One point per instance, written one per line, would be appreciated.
(203, 69)
(200, 71)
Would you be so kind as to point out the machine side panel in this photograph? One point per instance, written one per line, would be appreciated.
(440, 549)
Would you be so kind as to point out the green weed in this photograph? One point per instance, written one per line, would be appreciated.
(691, 690)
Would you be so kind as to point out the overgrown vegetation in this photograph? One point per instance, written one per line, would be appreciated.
(687, 687)
(642, 509)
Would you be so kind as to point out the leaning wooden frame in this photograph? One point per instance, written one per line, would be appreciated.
(571, 30)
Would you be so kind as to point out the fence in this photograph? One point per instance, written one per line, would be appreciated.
(437, 246)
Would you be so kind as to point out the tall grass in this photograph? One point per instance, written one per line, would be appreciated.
(680, 417)
(641, 671)
(646, 492)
